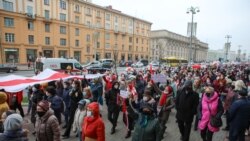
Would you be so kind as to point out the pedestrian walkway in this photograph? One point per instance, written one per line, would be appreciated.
(171, 134)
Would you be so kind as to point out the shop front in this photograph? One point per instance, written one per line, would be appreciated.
(31, 55)
(11, 55)
(48, 53)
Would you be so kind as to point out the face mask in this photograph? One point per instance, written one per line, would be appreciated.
(89, 114)
(148, 86)
(34, 89)
(84, 94)
(73, 85)
(40, 114)
(145, 98)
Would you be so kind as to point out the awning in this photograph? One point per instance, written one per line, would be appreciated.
(13, 50)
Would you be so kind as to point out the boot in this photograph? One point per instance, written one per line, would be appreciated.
(112, 130)
(128, 134)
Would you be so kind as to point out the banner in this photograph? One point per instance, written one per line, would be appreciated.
(159, 78)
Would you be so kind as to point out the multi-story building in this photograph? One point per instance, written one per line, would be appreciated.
(215, 55)
(69, 28)
(169, 44)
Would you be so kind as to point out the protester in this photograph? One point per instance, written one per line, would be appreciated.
(75, 97)
(79, 116)
(66, 100)
(210, 107)
(186, 105)
(13, 130)
(147, 127)
(47, 126)
(114, 102)
(56, 102)
(93, 127)
(29, 93)
(59, 88)
(3, 108)
(239, 116)
(15, 101)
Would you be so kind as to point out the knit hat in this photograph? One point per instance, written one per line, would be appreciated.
(44, 104)
(13, 122)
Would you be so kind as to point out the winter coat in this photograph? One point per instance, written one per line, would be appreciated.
(93, 127)
(37, 97)
(148, 133)
(78, 120)
(186, 105)
(18, 96)
(216, 108)
(113, 99)
(97, 90)
(14, 136)
(108, 82)
(239, 115)
(66, 97)
(47, 128)
(229, 99)
(3, 103)
(75, 97)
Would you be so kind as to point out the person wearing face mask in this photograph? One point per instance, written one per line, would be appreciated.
(209, 107)
(114, 102)
(186, 105)
(80, 114)
(47, 126)
(56, 102)
(36, 97)
(147, 98)
(75, 97)
(66, 100)
(147, 127)
(93, 128)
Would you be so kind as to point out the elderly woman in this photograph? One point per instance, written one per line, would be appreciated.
(210, 109)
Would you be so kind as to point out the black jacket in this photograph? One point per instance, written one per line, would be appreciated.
(112, 99)
(75, 96)
(186, 105)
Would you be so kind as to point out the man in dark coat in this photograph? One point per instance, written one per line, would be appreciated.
(186, 105)
(239, 116)
(114, 102)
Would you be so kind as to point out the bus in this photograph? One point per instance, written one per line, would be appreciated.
(174, 61)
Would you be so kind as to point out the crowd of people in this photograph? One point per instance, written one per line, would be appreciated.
(202, 96)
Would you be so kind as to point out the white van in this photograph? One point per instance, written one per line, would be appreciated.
(58, 64)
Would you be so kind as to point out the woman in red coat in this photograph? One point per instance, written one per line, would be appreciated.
(93, 128)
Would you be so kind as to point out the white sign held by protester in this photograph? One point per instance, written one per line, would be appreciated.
(159, 78)
(124, 94)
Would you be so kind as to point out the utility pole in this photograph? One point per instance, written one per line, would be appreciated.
(227, 45)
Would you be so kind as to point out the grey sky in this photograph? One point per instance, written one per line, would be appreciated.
(216, 18)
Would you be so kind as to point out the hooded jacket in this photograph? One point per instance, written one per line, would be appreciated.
(113, 98)
(3, 103)
(47, 128)
(93, 126)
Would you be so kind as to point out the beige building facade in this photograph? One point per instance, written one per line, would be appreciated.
(169, 44)
(71, 29)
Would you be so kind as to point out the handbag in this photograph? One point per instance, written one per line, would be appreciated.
(215, 122)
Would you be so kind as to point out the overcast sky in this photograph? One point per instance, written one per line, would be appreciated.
(216, 18)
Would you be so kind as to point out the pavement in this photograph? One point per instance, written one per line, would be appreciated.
(171, 134)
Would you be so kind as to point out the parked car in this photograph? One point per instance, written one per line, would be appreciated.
(126, 63)
(92, 64)
(107, 63)
(8, 68)
(138, 65)
(97, 69)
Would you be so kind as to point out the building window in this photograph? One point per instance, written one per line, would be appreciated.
(30, 10)
(77, 19)
(46, 2)
(10, 37)
(108, 17)
(107, 45)
(130, 39)
(88, 38)
(77, 43)
(98, 44)
(77, 8)
(107, 36)
(62, 4)
(123, 20)
(77, 55)
(116, 19)
(30, 25)
(116, 37)
(63, 42)
(107, 26)
(130, 48)
(8, 22)
(98, 24)
(46, 14)
(88, 11)
(88, 49)
(77, 32)
(137, 40)
(47, 28)
(8, 6)
(63, 29)
(98, 14)
(62, 17)
(107, 55)
(31, 39)
(47, 40)
(62, 53)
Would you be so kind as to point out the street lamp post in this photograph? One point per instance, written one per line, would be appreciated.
(193, 11)
(227, 45)
(115, 52)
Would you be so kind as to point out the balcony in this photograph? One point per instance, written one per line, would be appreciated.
(47, 20)
(116, 31)
(123, 33)
(30, 16)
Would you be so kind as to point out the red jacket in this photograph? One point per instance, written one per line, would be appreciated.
(18, 95)
(108, 82)
(93, 127)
